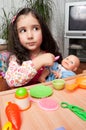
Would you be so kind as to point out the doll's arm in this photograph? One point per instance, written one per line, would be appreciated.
(56, 73)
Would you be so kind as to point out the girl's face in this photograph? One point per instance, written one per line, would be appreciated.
(29, 32)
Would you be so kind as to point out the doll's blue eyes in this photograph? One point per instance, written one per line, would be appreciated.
(70, 61)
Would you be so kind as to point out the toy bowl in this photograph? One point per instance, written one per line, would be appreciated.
(58, 84)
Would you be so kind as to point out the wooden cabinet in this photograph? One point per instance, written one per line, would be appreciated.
(75, 45)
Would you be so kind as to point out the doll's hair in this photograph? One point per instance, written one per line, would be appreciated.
(48, 44)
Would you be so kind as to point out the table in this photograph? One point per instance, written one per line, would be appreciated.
(37, 118)
(3, 85)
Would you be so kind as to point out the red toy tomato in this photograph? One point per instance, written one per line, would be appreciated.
(13, 115)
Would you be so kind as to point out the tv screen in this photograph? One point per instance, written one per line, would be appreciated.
(77, 17)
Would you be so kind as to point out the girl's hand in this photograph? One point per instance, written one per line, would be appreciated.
(46, 59)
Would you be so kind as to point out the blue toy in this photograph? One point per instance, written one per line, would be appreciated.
(60, 128)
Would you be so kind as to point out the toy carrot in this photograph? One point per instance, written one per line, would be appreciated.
(13, 115)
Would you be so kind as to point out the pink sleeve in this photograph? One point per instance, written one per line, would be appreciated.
(18, 75)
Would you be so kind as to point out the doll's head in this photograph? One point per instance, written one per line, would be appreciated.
(71, 63)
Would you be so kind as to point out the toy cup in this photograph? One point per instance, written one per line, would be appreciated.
(58, 84)
(22, 98)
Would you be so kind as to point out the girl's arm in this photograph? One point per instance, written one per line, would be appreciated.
(44, 75)
(19, 75)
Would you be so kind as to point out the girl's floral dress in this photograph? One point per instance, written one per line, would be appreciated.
(19, 75)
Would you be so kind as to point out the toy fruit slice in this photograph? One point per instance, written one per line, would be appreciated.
(82, 84)
(71, 86)
(81, 81)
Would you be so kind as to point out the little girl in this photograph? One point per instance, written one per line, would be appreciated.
(32, 48)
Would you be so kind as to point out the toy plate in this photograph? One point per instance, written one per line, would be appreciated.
(40, 91)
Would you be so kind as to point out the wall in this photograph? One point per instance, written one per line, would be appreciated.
(57, 22)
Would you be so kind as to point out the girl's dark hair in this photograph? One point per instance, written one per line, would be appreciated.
(48, 43)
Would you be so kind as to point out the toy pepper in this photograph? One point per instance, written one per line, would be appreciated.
(13, 115)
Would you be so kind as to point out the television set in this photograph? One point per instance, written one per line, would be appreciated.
(75, 19)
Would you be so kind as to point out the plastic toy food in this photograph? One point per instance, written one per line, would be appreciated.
(13, 115)
(71, 87)
(7, 126)
(22, 98)
(80, 82)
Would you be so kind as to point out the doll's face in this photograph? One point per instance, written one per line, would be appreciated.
(70, 63)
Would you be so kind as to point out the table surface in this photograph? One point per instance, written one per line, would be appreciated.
(37, 118)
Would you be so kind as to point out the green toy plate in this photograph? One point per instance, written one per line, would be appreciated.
(40, 91)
